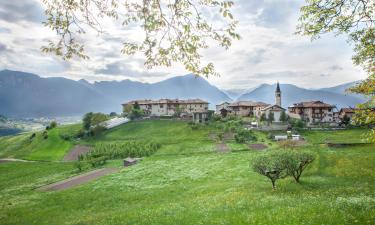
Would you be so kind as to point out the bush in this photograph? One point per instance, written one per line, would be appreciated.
(32, 136)
(243, 135)
(296, 162)
(123, 150)
(271, 166)
(45, 134)
(52, 125)
(98, 161)
(278, 165)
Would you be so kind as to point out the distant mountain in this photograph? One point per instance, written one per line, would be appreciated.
(292, 94)
(28, 95)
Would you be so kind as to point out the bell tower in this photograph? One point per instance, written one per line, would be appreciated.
(278, 94)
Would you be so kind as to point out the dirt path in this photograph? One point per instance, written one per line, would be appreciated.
(13, 160)
(77, 180)
(75, 152)
(222, 147)
(258, 146)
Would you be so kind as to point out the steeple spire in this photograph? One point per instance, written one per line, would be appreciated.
(278, 87)
(278, 94)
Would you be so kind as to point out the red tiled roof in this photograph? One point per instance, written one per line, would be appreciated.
(311, 104)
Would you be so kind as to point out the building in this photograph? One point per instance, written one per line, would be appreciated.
(195, 108)
(276, 109)
(312, 111)
(346, 112)
(222, 109)
(250, 108)
(246, 108)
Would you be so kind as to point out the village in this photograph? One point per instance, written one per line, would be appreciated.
(314, 112)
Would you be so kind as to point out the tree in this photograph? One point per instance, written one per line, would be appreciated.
(356, 19)
(113, 114)
(127, 108)
(271, 117)
(136, 105)
(263, 117)
(173, 31)
(296, 162)
(283, 116)
(52, 125)
(136, 113)
(87, 120)
(345, 120)
(271, 166)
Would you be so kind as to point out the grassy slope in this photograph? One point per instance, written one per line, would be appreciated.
(51, 149)
(175, 137)
(339, 136)
(170, 188)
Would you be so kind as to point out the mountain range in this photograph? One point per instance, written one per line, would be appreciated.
(29, 95)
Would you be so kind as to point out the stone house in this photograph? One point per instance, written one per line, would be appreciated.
(170, 107)
(348, 112)
(312, 112)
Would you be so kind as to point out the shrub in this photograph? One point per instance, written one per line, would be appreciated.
(45, 134)
(243, 135)
(271, 166)
(296, 162)
(98, 161)
(32, 136)
(52, 125)
(123, 149)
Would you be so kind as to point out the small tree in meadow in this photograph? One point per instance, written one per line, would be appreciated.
(271, 166)
(296, 162)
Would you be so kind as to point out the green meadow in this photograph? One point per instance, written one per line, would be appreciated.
(187, 181)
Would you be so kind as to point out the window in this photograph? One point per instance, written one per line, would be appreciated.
(161, 105)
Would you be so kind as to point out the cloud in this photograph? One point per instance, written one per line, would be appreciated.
(25, 10)
(267, 52)
(3, 47)
(120, 68)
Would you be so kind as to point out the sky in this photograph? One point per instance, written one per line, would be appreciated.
(269, 50)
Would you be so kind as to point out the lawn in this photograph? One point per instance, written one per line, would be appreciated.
(188, 183)
(338, 136)
(51, 149)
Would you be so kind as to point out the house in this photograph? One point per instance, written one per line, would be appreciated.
(346, 112)
(222, 109)
(312, 111)
(275, 109)
(194, 108)
(251, 108)
(246, 108)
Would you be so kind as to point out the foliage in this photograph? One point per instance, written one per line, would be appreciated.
(263, 117)
(52, 125)
(356, 18)
(243, 136)
(295, 162)
(345, 120)
(45, 134)
(136, 113)
(92, 124)
(127, 108)
(32, 136)
(113, 114)
(297, 123)
(220, 136)
(120, 150)
(271, 166)
(271, 117)
(288, 144)
(172, 31)
(283, 116)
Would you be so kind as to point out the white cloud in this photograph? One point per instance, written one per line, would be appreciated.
(268, 51)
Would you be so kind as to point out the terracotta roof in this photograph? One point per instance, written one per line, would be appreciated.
(347, 110)
(271, 106)
(247, 103)
(163, 101)
(311, 104)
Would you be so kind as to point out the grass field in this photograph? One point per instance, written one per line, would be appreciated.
(188, 182)
(51, 149)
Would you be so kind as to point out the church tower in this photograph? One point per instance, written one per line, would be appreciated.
(278, 94)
